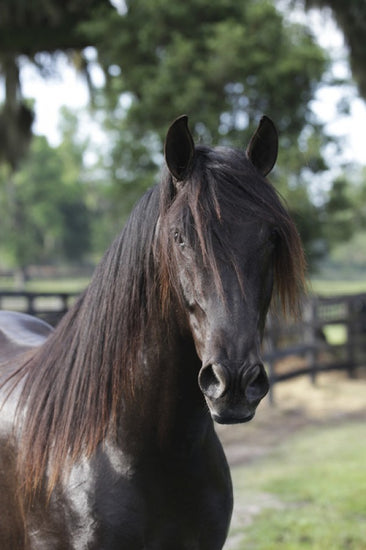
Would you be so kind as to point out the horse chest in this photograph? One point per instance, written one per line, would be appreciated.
(188, 511)
(185, 506)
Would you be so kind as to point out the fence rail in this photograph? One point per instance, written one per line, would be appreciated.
(49, 306)
(330, 335)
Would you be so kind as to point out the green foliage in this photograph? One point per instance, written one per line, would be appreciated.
(224, 63)
(340, 213)
(344, 227)
(213, 58)
(28, 28)
(43, 211)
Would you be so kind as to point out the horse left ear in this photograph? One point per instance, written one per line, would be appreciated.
(179, 148)
(263, 147)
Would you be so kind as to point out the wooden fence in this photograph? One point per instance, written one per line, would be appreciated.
(49, 306)
(331, 334)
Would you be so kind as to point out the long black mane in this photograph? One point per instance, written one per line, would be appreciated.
(73, 386)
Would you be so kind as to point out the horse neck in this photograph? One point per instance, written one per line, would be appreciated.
(168, 411)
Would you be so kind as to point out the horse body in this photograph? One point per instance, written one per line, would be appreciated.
(114, 502)
(130, 494)
(107, 438)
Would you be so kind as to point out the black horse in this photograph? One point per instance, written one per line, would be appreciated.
(107, 439)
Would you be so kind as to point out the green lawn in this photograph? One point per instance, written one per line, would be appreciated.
(65, 284)
(332, 288)
(71, 284)
(336, 335)
(315, 490)
(75, 284)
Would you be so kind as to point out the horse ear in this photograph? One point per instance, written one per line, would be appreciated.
(179, 148)
(263, 147)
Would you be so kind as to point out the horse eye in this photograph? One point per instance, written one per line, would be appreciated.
(178, 239)
(274, 236)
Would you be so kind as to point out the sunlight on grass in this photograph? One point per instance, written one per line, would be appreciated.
(332, 288)
(335, 335)
(76, 284)
(65, 284)
(319, 484)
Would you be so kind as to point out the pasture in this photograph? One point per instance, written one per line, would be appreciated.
(325, 287)
(299, 469)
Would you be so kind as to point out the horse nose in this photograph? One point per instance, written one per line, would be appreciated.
(249, 382)
(233, 390)
(213, 380)
(254, 383)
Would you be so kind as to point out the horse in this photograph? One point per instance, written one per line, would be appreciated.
(107, 421)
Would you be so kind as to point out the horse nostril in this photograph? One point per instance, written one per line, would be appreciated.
(255, 383)
(213, 381)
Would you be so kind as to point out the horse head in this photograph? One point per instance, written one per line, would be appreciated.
(223, 240)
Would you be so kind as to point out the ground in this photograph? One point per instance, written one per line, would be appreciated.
(298, 404)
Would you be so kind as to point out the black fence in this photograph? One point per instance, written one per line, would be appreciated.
(49, 306)
(330, 335)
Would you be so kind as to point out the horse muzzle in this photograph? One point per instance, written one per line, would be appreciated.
(233, 391)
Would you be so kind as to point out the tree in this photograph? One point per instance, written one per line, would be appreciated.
(351, 18)
(345, 226)
(43, 212)
(225, 64)
(38, 30)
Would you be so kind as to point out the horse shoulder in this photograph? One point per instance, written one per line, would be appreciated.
(112, 501)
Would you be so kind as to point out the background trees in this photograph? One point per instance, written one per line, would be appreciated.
(222, 62)
(217, 61)
(38, 30)
(43, 208)
(350, 17)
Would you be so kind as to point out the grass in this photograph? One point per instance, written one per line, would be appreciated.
(65, 284)
(332, 288)
(316, 493)
(335, 334)
(76, 284)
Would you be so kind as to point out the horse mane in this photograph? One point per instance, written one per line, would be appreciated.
(74, 385)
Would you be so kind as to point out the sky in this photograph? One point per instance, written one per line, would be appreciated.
(350, 127)
(68, 88)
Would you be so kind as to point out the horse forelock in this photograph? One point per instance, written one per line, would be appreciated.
(223, 185)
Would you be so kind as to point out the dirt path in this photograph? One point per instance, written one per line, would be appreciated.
(298, 404)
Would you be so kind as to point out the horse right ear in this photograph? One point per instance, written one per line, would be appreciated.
(263, 147)
(179, 148)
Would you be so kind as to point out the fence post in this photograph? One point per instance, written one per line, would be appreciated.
(351, 338)
(310, 327)
(30, 308)
(65, 306)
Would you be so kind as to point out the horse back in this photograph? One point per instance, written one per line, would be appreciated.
(20, 332)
